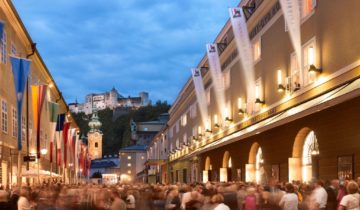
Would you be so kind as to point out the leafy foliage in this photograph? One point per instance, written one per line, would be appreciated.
(117, 132)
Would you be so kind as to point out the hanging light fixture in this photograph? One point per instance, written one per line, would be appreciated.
(257, 94)
(228, 119)
(241, 110)
(216, 122)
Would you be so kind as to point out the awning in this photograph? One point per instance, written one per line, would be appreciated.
(36, 173)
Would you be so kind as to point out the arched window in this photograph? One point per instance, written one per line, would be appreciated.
(258, 164)
(96, 145)
(310, 148)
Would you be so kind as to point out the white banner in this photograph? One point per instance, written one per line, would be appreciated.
(291, 11)
(217, 77)
(200, 94)
(241, 35)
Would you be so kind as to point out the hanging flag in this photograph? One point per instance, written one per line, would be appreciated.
(77, 145)
(200, 94)
(217, 76)
(2, 24)
(58, 136)
(53, 113)
(66, 137)
(20, 69)
(72, 145)
(38, 93)
(245, 50)
(291, 11)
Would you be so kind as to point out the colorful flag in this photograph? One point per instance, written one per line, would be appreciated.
(66, 137)
(38, 93)
(20, 69)
(59, 133)
(53, 113)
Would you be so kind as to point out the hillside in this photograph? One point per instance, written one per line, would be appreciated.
(117, 132)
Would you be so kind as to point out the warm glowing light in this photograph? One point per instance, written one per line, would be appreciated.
(216, 121)
(51, 85)
(311, 55)
(279, 77)
(207, 125)
(240, 103)
(129, 172)
(226, 112)
(199, 130)
(43, 151)
(257, 91)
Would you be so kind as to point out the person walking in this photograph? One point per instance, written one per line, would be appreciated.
(351, 201)
(290, 200)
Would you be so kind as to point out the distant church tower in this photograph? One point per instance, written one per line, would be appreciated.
(95, 137)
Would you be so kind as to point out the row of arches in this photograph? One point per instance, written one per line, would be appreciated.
(303, 165)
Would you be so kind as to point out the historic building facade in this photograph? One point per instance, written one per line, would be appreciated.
(95, 137)
(303, 123)
(111, 99)
(16, 41)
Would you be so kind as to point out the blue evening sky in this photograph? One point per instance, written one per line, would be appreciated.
(134, 45)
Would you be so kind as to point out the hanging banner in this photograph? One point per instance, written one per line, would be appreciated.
(217, 76)
(77, 145)
(53, 113)
(291, 12)
(244, 47)
(38, 93)
(20, 69)
(2, 24)
(59, 133)
(66, 138)
(72, 144)
(200, 94)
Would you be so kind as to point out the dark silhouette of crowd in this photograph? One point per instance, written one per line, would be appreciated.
(331, 195)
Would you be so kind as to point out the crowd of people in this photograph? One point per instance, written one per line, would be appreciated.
(331, 195)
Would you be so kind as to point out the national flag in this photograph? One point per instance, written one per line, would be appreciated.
(38, 93)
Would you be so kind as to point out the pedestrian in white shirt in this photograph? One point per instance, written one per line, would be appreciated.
(290, 200)
(319, 196)
(351, 201)
(23, 203)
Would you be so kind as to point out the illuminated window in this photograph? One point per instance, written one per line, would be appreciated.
(183, 120)
(14, 122)
(129, 172)
(310, 148)
(309, 57)
(257, 50)
(177, 126)
(307, 7)
(129, 164)
(129, 157)
(259, 164)
(3, 48)
(142, 157)
(4, 116)
(294, 72)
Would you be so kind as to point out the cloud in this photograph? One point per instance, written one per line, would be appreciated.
(134, 45)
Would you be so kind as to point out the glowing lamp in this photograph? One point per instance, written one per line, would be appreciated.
(43, 151)
(241, 110)
(257, 94)
(281, 87)
(311, 58)
(216, 122)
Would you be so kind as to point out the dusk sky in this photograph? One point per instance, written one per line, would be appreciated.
(134, 45)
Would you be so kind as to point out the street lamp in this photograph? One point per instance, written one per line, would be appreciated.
(43, 151)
